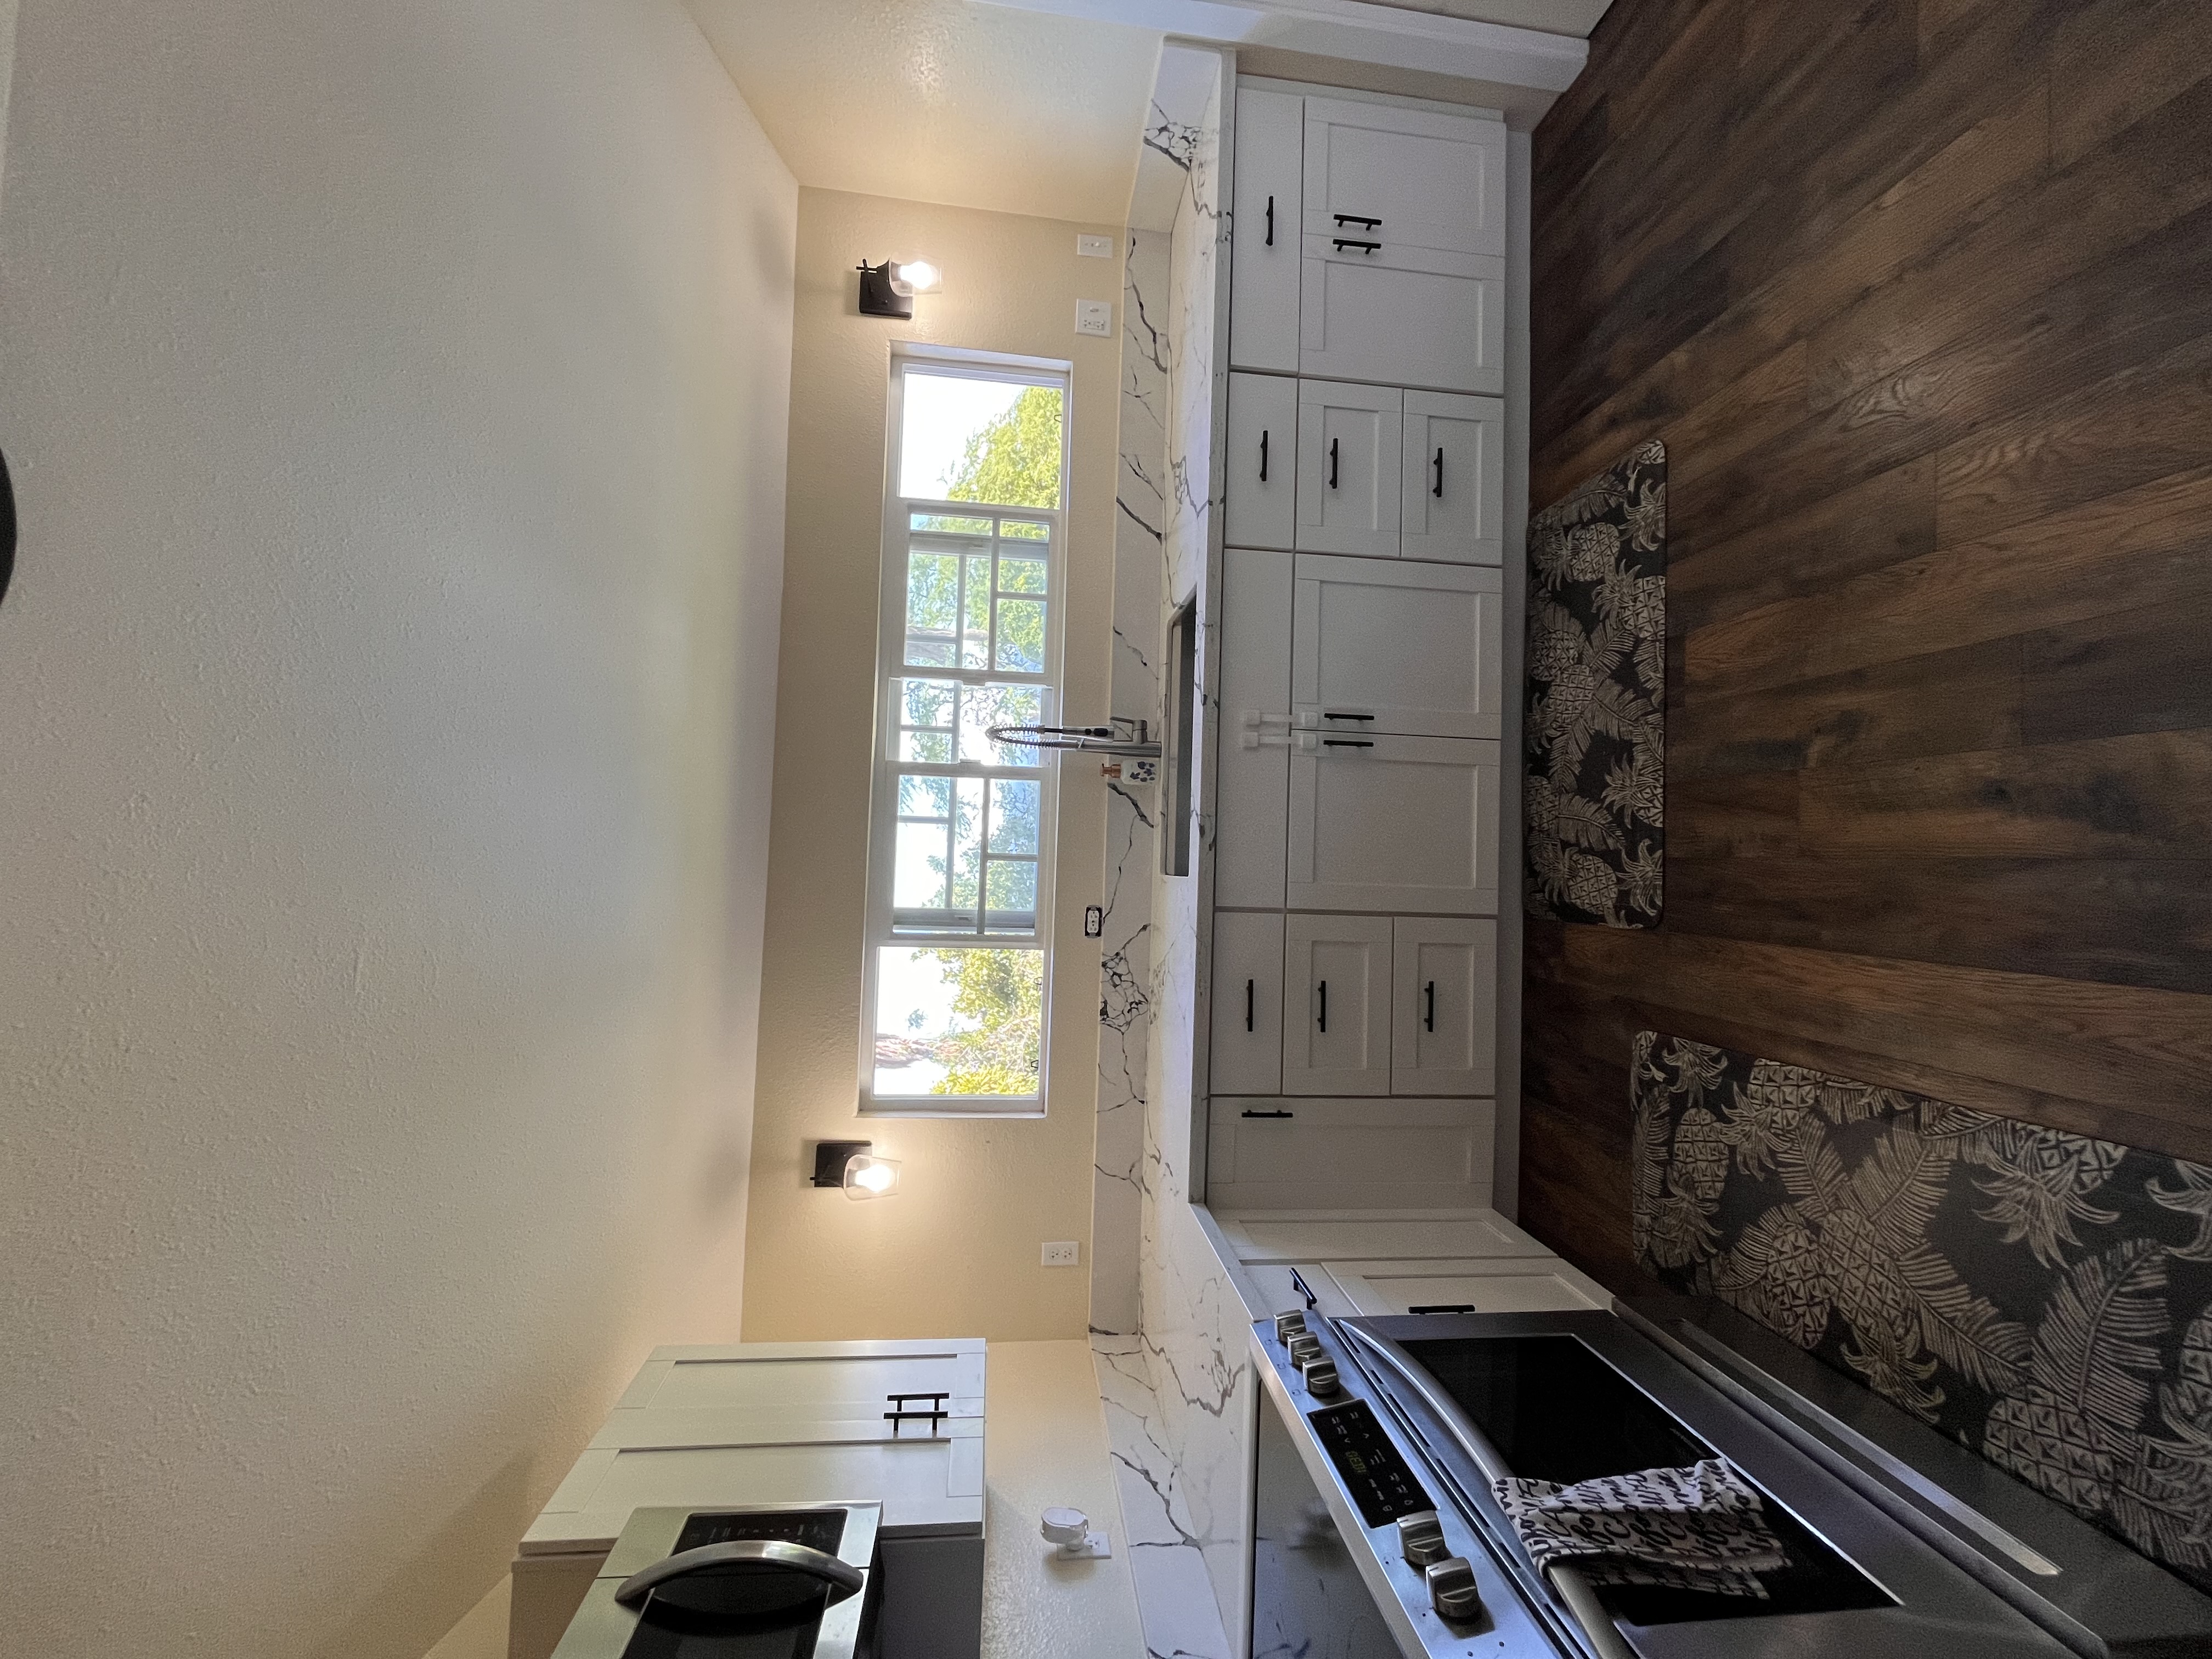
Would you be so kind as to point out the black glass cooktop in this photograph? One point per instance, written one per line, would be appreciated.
(1553, 1410)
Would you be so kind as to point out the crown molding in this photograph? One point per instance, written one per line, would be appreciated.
(1388, 36)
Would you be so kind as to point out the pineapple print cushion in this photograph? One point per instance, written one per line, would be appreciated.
(2038, 1296)
(1597, 683)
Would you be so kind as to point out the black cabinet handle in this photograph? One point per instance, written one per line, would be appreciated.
(1332, 462)
(1340, 243)
(1332, 715)
(1251, 1114)
(1357, 219)
(1248, 1004)
(1271, 221)
(1298, 1284)
(7, 527)
(1345, 743)
(1439, 490)
(1263, 454)
(1324, 1004)
(1428, 1018)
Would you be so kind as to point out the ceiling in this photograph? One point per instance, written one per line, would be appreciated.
(981, 105)
(945, 100)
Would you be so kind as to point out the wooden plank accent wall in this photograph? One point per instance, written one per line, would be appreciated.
(1919, 293)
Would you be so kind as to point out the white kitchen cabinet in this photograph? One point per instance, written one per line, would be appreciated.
(1267, 219)
(1404, 273)
(1406, 177)
(1443, 979)
(1247, 1052)
(1505, 1285)
(1252, 775)
(1349, 463)
(1286, 1288)
(1384, 646)
(1295, 1151)
(1262, 461)
(1336, 1004)
(1392, 825)
(1453, 502)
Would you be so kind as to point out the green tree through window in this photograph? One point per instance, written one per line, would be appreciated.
(1015, 460)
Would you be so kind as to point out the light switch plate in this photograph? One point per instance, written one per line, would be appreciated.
(1094, 247)
(1062, 1253)
(1094, 317)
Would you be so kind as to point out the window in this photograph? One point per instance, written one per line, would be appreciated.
(960, 842)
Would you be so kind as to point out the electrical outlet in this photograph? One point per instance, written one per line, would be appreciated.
(1094, 317)
(1094, 247)
(1062, 1253)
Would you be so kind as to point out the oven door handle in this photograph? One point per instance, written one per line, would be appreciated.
(758, 1554)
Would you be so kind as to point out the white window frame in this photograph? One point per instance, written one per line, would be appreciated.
(891, 667)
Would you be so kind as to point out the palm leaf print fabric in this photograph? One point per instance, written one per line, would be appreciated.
(2038, 1296)
(1596, 795)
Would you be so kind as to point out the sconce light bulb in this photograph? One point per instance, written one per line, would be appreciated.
(918, 276)
(871, 1177)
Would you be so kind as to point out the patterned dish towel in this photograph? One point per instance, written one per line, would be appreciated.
(1698, 1528)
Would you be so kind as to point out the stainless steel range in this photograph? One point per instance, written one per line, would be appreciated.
(1377, 1532)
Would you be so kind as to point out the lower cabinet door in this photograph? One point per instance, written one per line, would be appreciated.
(1391, 823)
(1336, 1002)
(1390, 645)
(1454, 478)
(1252, 777)
(1295, 1152)
(1246, 1057)
(1349, 468)
(1444, 974)
(1263, 509)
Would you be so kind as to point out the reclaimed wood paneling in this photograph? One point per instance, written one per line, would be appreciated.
(1919, 292)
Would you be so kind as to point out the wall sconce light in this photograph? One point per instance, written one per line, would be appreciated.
(888, 290)
(851, 1165)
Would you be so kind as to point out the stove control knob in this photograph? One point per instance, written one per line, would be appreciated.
(1421, 1538)
(1289, 1325)
(1320, 1379)
(1452, 1589)
(1304, 1347)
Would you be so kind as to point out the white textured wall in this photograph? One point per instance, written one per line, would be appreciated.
(397, 397)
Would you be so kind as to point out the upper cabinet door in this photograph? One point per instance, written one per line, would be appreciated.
(1454, 473)
(1404, 279)
(1408, 179)
(1265, 205)
(1263, 461)
(1444, 1022)
(1252, 774)
(1392, 646)
(1336, 1006)
(1389, 823)
(1349, 440)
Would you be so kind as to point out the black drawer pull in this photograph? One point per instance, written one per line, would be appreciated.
(1248, 1004)
(1357, 219)
(1428, 1018)
(1438, 491)
(1332, 715)
(1271, 221)
(1299, 1286)
(1332, 462)
(1441, 1307)
(1271, 1114)
(1324, 1004)
(1263, 454)
(1340, 243)
(1345, 743)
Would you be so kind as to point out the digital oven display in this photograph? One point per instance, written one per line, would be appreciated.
(1382, 1485)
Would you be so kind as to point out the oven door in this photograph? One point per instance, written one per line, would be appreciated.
(1307, 1595)
(777, 1582)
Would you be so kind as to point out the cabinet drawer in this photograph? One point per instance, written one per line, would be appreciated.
(1262, 461)
(1246, 1057)
(1407, 179)
(1391, 823)
(1267, 219)
(1382, 646)
(1252, 776)
(1348, 468)
(1538, 1284)
(1444, 974)
(1362, 1154)
(1453, 502)
(1336, 1006)
(1432, 320)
